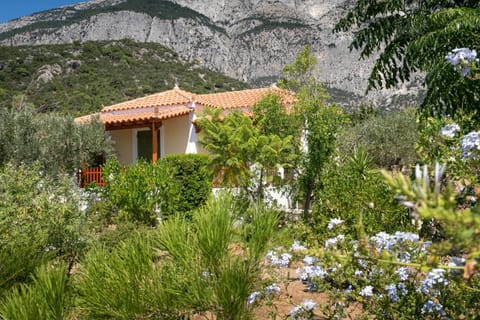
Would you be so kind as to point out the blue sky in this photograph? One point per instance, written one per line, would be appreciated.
(11, 9)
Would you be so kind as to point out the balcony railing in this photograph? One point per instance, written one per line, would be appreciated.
(88, 176)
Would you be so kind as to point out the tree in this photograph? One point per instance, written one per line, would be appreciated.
(416, 35)
(318, 122)
(55, 142)
(242, 150)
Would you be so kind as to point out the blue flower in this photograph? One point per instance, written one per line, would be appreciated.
(432, 307)
(402, 273)
(450, 130)
(470, 143)
(433, 279)
(392, 292)
(273, 288)
(461, 59)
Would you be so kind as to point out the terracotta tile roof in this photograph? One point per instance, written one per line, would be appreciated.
(166, 98)
(176, 102)
(242, 99)
(111, 118)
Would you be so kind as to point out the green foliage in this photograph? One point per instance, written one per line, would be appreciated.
(357, 194)
(142, 192)
(125, 283)
(236, 144)
(433, 200)
(145, 193)
(183, 268)
(46, 297)
(55, 142)
(433, 147)
(299, 73)
(192, 172)
(40, 218)
(87, 75)
(221, 274)
(318, 123)
(416, 36)
(389, 139)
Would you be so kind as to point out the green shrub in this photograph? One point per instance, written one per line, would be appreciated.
(126, 283)
(40, 217)
(55, 142)
(220, 279)
(192, 173)
(142, 192)
(388, 138)
(357, 194)
(46, 297)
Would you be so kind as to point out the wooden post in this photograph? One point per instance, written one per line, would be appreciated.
(154, 143)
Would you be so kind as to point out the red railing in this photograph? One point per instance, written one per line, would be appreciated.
(91, 175)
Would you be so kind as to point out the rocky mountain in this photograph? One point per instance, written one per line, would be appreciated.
(250, 40)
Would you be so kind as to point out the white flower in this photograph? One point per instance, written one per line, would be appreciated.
(334, 222)
(273, 288)
(366, 292)
(282, 261)
(309, 260)
(333, 241)
(303, 311)
(297, 246)
(253, 297)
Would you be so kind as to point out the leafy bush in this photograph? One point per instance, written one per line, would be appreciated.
(389, 139)
(124, 283)
(221, 273)
(40, 218)
(180, 269)
(55, 142)
(46, 297)
(357, 194)
(142, 192)
(192, 173)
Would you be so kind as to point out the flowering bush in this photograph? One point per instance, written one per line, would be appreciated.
(463, 60)
(390, 275)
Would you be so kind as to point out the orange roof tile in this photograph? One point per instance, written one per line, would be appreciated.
(241, 99)
(166, 98)
(176, 102)
(111, 118)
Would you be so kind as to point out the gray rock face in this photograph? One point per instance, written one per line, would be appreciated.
(249, 40)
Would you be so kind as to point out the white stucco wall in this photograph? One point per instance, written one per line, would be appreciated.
(122, 143)
(176, 134)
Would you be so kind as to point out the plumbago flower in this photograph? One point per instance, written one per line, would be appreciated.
(304, 310)
(462, 59)
(470, 144)
(380, 272)
(450, 130)
(279, 261)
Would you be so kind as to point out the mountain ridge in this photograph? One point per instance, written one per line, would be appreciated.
(248, 40)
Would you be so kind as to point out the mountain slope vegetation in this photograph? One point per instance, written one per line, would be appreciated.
(79, 78)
